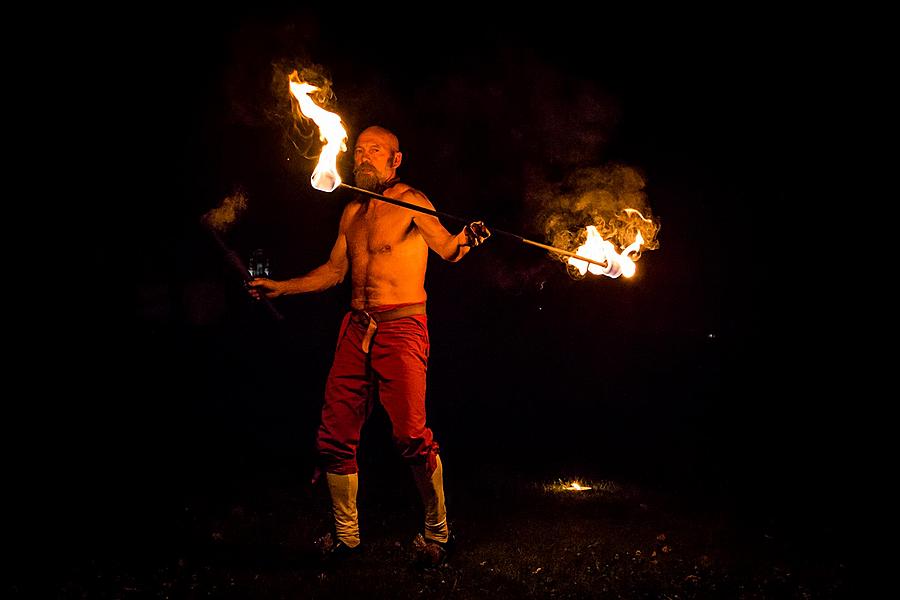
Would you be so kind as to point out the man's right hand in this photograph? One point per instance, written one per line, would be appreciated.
(260, 286)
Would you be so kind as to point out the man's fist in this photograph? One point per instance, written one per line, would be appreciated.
(476, 233)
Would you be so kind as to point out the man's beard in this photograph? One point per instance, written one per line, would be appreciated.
(367, 178)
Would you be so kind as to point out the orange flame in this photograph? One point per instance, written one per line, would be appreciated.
(596, 248)
(576, 486)
(325, 176)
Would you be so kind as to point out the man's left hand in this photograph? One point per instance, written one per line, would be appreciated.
(476, 233)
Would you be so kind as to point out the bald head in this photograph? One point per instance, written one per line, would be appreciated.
(380, 135)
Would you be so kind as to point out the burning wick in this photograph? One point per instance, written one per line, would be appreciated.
(576, 486)
(602, 250)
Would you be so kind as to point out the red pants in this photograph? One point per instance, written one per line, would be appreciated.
(394, 372)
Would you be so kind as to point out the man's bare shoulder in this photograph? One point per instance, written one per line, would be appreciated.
(412, 196)
(350, 210)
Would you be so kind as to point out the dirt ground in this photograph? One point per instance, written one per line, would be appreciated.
(520, 536)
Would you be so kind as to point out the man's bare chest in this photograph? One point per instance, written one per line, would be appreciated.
(380, 231)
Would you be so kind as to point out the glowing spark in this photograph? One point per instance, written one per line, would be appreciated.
(568, 486)
(325, 176)
(576, 486)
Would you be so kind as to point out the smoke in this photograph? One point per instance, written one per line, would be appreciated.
(610, 197)
(224, 216)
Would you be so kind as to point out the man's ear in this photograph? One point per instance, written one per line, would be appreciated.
(398, 158)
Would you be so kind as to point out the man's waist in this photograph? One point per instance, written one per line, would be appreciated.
(390, 314)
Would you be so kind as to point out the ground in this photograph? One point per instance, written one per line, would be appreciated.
(249, 535)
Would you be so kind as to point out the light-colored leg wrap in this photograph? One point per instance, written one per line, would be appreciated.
(343, 501)
(432, 491)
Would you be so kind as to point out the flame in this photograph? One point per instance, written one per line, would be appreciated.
(576, 486)
(596, 248)
(325, 176)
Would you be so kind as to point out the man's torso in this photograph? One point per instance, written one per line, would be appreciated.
(388, 255)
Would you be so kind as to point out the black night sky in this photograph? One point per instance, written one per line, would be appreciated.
(677, 376)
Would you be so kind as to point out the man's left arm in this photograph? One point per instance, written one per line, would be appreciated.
(449, 246)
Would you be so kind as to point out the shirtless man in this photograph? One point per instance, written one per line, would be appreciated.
(383, 342)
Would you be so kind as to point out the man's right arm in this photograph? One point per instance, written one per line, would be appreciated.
(319, 279)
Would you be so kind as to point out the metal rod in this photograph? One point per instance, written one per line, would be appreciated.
(427, 211)
(437, 213)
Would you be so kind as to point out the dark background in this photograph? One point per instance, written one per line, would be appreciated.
(689, 374)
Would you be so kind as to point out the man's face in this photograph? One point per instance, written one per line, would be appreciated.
(373, 160)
